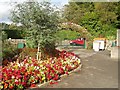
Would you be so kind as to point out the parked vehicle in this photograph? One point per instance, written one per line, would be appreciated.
(79, 42)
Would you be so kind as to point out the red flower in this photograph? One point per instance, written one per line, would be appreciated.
(36, 72)
(24, 83)
(5, 70)
(49, 77)
(26, 73)
(25, 78)
(5, 86)
(23, 69)
(56, 77)
(0, 67)
(66, 73)
(11, 87)
(0, 76)
(52, 71)
(35, 64)
(18, 76)
(32, 85)
(6, 78)
(61, 71)
(33, 60)
(16, 82)
(63, 51)
(25, 61)
(48, 66)
(53, 82)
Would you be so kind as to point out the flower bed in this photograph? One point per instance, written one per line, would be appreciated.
(31, 71)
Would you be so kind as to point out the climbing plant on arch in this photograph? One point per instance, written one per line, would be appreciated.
(83, 32)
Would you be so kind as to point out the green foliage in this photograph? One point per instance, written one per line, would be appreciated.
(27, 52)
(100, 19)
(4, 26)
(75, 11)
(14, 34)
(109, 31)
(9, 50)
(39, 20)
(4, 35)
(1, 44)
(67, 35)
(90, 22)
(107, 12)
(110, 37)
(30, 44)
(12, 31)
(118, 14)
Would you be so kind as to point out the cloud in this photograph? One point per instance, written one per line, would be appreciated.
(7, 5)
(8, 1)
(4, 11)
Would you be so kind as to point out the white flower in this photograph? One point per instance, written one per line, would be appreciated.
(26, 65)
(73, 65)
(78, 60)
(18, 64)
(52, 61)
(13, 77)
(32, 65)
(16, 80)
(21, 64)
(63, 68)
(30, 58)
(41, 65)
(73, 57)
(43, 68)
(42, 72)
(37, 67)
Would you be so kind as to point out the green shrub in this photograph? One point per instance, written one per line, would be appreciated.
(9, 50)
(67, 35)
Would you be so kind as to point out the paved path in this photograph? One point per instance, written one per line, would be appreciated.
(98, 71)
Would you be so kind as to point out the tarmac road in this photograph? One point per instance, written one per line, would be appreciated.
(98, 71)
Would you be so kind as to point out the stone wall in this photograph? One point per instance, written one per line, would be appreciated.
(63, 43)
(16, 41)
(114, 52)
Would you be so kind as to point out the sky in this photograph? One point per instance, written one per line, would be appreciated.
(7, 5)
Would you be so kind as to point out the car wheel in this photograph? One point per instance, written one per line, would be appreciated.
(73, 44)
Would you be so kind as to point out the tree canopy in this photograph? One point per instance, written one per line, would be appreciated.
(39, 20)
(99, 18)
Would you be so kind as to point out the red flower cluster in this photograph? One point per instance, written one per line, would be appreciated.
(31, 71)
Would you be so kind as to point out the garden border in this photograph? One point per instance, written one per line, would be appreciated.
(62, 76)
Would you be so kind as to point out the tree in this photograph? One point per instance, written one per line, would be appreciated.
(99, 18)
(4, 36)
(74, 11)
(40, 21)
(106, 12)
(95, 17)
(118, 14)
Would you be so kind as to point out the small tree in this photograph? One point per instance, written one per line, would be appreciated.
(40, 21)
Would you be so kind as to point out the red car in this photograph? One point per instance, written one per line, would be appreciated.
(79, 41)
